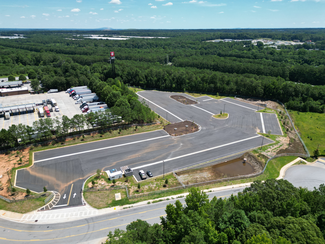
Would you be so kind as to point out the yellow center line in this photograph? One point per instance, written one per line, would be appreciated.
(70, 195)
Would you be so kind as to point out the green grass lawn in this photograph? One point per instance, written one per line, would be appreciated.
(23, 206)
(311, 129)
(267, 110)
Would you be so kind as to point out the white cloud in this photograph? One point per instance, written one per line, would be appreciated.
(257, 7)
(201, 2)
(7, 15)
(159, 0)
(221, 12)
(120, 9)
(102, 9)
(253, 11)
(33, 16)
(315, 22)
(22, 17)
(115, 2)
(153, 6)
(150, 4)
(94, 13)
(168, 4)
(117, 11)
(192, 1)
(67, 16)
(274, 10)
(153, 17)
(59, 10)
(78, 1)
(276, 0)
(45, 14)
(75, 10)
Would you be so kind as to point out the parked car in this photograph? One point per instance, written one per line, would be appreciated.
(44, 103)
(149, 173)
(142, 175)
(57, 109)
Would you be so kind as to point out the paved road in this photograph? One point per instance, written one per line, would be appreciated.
(65, 169)
(90, 230)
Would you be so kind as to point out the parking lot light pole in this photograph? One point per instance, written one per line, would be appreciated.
(163, 169)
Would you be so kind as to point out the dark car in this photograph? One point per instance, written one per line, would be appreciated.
(44, 102)
(83, 105)
(142, 175)
(149, 173)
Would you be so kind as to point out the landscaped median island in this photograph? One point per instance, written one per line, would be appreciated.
(221, 116)
(99, 191)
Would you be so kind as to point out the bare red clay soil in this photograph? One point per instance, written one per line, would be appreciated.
(183, 99)
(231, 168)
(181, 128)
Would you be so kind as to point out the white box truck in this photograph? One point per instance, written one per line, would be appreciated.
(7, 115)
(41, 112)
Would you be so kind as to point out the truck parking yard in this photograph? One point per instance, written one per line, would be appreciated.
(65, 106)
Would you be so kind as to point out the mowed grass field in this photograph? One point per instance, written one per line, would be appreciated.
(312, 130)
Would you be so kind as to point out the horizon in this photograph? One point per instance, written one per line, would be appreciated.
(163, 14)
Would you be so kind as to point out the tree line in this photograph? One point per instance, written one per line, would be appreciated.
(269, 212)
(55, 128)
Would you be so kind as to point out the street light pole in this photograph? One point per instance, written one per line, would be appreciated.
(163, 169)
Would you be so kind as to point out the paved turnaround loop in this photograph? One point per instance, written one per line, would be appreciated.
(65, 169)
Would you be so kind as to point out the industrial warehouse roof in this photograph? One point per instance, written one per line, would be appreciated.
(13, 89)
(11, 83)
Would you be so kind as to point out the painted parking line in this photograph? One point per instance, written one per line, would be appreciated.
(193, 153)
(238, 105)
(262, 121)
(103, 148)
(207, 99)
(203, 110)
(160, 107)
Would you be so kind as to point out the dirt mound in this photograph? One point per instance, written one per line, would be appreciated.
(181, 128)
(183, 99)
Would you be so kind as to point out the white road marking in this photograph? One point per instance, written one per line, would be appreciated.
(262, 121)
(161, 107)
(238, 104)
(203, 110)
(99, 149)
(193, 153)
(74, 195)
(207, 99)
(65, 195)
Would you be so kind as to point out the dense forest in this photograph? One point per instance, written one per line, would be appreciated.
(269, 212)
(293, 74)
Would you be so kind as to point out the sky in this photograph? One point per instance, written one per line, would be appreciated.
(162, 14)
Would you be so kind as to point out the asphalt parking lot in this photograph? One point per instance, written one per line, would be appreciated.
(65, 103)
(155, 151)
